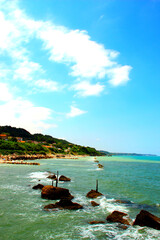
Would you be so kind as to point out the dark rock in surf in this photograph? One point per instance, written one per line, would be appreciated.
(93, 194)
(145, 218)
(52, 176)
(38, 186)
(117, 216)
(94, 204)
(64, 178)
(96, 161)
(124, 227)
(123, 201)
(100, 165)
(54, 193)
(64, 203)
(96, 222)
(50, 207)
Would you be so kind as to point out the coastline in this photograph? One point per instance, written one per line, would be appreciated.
(21, 159)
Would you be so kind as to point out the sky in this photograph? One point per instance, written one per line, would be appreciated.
(84, 71)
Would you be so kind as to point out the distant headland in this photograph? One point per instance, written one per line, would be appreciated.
(126, 154)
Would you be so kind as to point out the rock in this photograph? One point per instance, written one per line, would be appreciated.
(53, 193)
(117, 216)
(64, 203)
(96, 161)
(64, 178)
(50, 206)
(93, 194)
(96, 222)
(123, 201)
(124, 227)
(38, 186)
(68, 204)
(94, 204)
(100, 165)
(145, 218)
(52, 176)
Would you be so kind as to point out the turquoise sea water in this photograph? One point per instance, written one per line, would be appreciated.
(135, 179)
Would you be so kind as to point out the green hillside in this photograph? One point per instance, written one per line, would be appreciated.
(39, 143)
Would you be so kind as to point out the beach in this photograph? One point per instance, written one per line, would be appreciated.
(134, 180)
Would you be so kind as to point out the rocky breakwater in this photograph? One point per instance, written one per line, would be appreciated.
(21, 162)
(54, 193)
(29, 157)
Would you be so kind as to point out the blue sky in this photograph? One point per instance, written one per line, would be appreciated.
(85, 71)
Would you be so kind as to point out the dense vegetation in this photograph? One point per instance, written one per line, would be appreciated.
(10, 147)
(39, 143)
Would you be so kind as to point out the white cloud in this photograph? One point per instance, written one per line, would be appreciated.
(85, 88)
(86, 57)
(75, 112)
(5, 94)
(26, 70)
(22, 113)
(47, 85)
(119, 75)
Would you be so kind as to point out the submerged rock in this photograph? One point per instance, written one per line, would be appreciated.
(123, 201)
(50, 206)
(93, 194)
(38, 186)
(96, 161)
(64, 178)
(96, 222)
(124, 227)
(64, 203)
(94, 204)
(54, 193)
(145, 218)
(117, 216)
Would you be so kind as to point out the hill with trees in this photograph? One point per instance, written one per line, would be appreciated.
(20, 141)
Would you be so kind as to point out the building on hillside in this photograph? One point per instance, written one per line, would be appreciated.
(3, 136)
(19, 139)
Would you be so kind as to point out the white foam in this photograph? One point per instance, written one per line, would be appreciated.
(110, 206)
(38, 175)
(99, 169)
(112, 231)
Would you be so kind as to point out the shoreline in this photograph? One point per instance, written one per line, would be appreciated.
(21, 159)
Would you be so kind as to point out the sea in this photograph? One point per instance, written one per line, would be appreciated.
(133, 179)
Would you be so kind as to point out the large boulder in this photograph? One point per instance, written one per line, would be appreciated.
(93, 194)
(64, 203)
(68, 204)
(54, 193)
(38, 186)
(117, 216)
(64, 178)
(145, 218)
